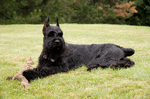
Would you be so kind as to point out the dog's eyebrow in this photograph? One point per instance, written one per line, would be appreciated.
(60, 32)
(51, 32)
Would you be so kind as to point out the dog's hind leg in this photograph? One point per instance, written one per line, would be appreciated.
(113, 57)
(125, 63)
(107, 58)
(100, 63)
(122, 63)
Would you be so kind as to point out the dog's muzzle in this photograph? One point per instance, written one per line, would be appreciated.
(57, 42)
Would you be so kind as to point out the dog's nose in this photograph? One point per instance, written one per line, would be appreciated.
(57, 42)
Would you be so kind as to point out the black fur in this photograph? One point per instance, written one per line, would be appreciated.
(58, 56)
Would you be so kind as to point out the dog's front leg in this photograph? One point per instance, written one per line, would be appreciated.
(41, 72)
(31, 74)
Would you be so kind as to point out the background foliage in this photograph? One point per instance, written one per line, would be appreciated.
(75, 11)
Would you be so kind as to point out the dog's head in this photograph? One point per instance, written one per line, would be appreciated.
(54, 44)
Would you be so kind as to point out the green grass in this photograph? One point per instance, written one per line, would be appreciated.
(18, 42)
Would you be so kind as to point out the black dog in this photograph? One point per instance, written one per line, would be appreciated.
(59, 56)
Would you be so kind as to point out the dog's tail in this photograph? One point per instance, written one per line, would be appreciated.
(128, 51)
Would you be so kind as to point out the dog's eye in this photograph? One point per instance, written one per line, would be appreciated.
(60, 34)
(51, 34)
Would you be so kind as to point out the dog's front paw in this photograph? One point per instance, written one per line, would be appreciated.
(27, 74)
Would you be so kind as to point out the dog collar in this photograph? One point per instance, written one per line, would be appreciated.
(45, 57)
(52, 60)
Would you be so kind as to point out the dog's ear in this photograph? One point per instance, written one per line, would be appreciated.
(57, 22)
(46, 24)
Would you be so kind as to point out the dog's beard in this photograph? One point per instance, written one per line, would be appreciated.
(53, 51)
(55, 48)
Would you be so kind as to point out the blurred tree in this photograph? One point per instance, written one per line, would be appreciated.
(74, 11)
(143, 15)
(7, 10)
(125, 10)
(20, 11)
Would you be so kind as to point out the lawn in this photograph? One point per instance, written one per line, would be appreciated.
(18, 42)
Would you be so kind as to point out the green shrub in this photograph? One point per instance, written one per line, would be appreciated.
(70, 11)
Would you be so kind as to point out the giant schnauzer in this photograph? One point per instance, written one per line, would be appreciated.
(58, 56)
